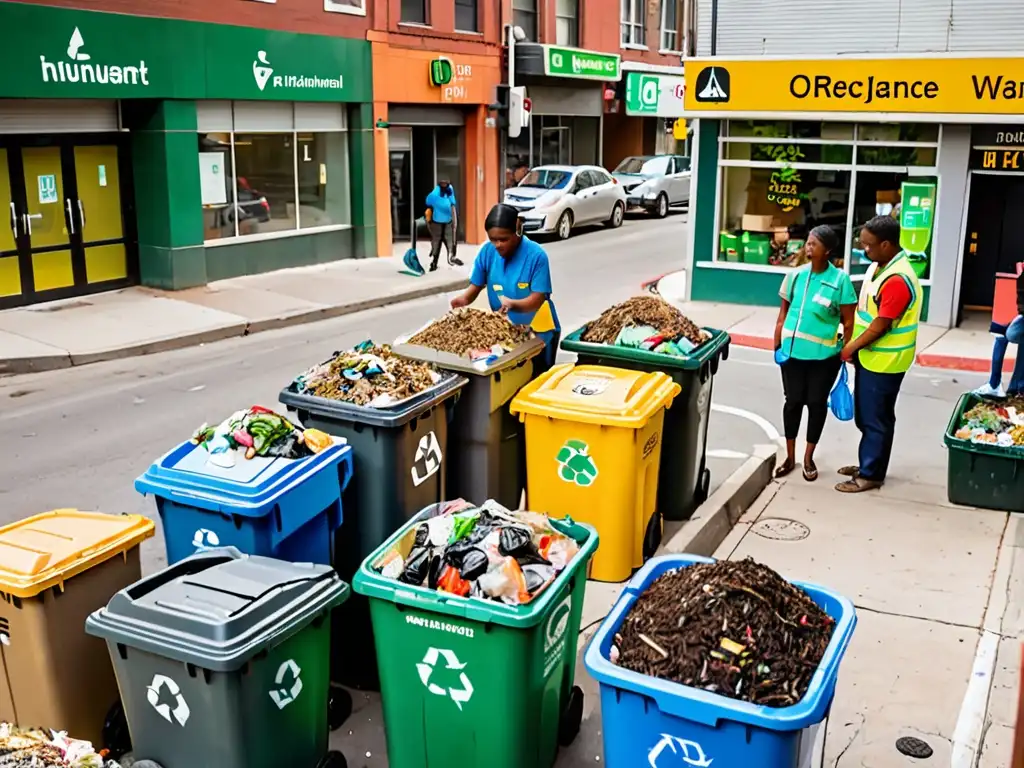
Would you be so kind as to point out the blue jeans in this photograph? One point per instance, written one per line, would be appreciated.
(1014, 335)
(874, 413)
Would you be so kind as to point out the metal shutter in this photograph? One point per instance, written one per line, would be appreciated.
(58, 116)
(319, 116)
(576, 102)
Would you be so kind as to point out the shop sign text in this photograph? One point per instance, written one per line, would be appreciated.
(80, 68)
(573, 62)
(653, 94)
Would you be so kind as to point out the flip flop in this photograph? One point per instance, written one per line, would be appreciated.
(858, 485)
(784, 469)
(850, 470)
(810, 473)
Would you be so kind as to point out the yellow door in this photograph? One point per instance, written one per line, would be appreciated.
(10, 270)
(99, 213)
(45, 220)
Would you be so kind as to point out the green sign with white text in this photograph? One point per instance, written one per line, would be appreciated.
(50, 52)
(649, 93)
(573, 62)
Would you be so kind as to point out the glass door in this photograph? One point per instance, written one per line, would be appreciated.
(10, 259)
(97, 215)
(400, 155)
(46, 220)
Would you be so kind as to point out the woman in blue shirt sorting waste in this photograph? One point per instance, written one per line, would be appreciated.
(515, 271)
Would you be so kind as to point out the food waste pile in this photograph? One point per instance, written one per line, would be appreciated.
(472, 333)
(258, 431)
(486, 552)
(368, 375)
(995, 422)
(31, 748)
(733, 628)
(649, 323)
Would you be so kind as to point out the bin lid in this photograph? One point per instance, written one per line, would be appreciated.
(597, 394)
(251, 487)
(45, 550)
(218, 609)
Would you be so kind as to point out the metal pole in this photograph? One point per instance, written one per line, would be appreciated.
(510, 35)
(714, 27)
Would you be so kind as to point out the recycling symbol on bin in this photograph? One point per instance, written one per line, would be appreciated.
(284, 694)
(575, 464)
(160, 691)
(205, 539)
(426, 668)
(688, 753)
(428, 459)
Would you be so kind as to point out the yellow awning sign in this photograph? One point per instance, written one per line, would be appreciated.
(949, 85)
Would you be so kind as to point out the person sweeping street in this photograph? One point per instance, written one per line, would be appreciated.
(882, 350)
(515, 271)
(443, 209)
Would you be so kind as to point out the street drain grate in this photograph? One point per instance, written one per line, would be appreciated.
(781, 529)
(912, 747)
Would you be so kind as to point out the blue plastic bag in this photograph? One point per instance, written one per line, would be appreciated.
(840, 400)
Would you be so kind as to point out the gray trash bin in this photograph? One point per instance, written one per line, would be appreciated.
(223, 660)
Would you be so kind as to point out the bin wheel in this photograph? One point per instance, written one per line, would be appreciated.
(333, 759)
(339, 707)
(572, 717)
(116, 738)
(703, 486)
(652, 538)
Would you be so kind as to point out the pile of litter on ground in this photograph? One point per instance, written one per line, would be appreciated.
(644, 311)
(733, 628)
(464, 330)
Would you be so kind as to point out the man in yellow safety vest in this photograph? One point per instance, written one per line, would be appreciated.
(882, 349)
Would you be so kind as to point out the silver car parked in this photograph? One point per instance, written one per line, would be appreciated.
(654, 183)
(554, 199)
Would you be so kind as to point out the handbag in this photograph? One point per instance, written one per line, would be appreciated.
(840, 399)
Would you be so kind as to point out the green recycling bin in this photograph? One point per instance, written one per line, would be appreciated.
(468, 681)
(684, 479)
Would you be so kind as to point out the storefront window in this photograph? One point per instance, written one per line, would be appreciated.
(780, 179)
(273, 182)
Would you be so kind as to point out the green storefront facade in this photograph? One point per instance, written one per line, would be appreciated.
(224, 150)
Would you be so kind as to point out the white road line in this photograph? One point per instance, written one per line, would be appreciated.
(725, 453)
(766, 426)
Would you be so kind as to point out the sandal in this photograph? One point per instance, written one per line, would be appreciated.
(857, 485)
(851, 470)
(784, 469)
(810, 471)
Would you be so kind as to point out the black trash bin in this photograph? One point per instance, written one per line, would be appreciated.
(684, 480)
(486, 444)
(400, 453)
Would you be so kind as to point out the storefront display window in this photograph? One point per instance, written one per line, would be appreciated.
(323, 180)
(780, 179)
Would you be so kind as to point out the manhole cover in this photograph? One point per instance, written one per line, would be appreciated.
(781, 529)
(912, 747)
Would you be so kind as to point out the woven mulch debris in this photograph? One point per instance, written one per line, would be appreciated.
(467, 329)
(30, 748)
(640, 311)
(369, 375)
(733, 628)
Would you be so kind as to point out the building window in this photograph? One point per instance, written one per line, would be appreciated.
(354, 7)
(633, 22)
(780, 179)
(670, 25)
(414, 12)
(524, 16)
(567, 23)
(466, 16)
(272, 182)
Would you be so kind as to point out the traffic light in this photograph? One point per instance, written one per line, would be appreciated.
(512, 108)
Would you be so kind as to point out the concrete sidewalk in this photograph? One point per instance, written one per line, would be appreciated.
(139, 321)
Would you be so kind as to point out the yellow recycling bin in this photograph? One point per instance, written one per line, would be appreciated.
(593, 444)
(55, 569)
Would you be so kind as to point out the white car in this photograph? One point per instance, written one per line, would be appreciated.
(552, 199)
(655, 182)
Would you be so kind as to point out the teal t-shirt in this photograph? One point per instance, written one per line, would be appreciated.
(812, 323)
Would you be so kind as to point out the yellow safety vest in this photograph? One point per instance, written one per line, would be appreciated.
(895, 351)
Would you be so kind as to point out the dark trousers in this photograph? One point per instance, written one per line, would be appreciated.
(440, 233)
(543, 362)
(807, 383)
(874, 412)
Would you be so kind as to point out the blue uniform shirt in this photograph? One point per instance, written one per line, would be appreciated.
(441, 205)
(525, 272)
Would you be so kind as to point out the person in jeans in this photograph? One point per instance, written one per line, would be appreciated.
(816, 298)
(441, 204)
(882, 350)
(1006, 335)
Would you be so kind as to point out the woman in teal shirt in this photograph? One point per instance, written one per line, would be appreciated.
(815, 300)
(514, 270)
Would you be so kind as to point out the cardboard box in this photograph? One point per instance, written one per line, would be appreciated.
(754, 223)
(890, 196)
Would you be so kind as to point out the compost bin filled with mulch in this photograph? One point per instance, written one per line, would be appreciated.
(463, 332)
(737, 629)
(646, 322)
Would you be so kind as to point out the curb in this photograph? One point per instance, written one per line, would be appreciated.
(22, 365)
(714, 519)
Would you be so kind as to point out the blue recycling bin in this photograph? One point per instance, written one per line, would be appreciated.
(652, 722)
(288, 509)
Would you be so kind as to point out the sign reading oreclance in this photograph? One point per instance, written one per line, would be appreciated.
(939, 86)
